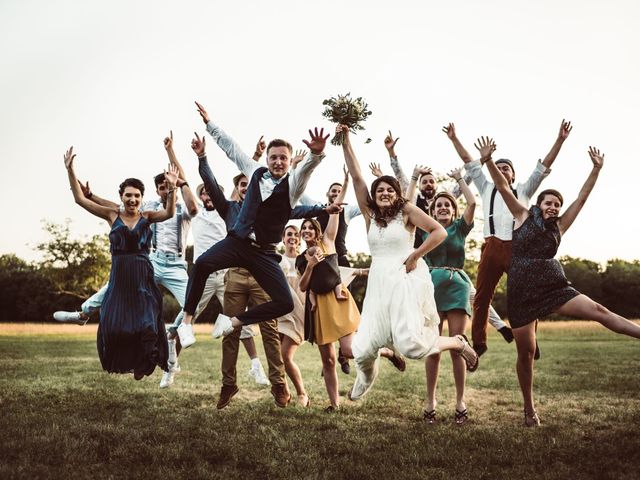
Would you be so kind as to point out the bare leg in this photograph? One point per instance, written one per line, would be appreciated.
(345, 345)
(583, 307)
(457, 324)
(250, 347)
(328, 355)
(526, 345)
(289, 348)
(312, 301)
(432, 370)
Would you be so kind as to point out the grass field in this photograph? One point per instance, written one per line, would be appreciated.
(62, 416)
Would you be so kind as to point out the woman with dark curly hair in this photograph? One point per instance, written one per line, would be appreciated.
(399, 310)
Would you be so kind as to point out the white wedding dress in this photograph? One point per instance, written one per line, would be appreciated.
(399, 309)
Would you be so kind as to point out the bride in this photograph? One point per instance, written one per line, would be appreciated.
(399, 309)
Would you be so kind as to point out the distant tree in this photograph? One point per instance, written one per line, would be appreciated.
(584, 275)
(75, 267)
(621, 287)
(26, 292)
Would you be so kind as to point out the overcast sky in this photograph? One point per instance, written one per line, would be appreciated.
(112, 78)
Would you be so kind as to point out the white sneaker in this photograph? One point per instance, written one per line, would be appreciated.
(70, 317)
(257, 372)
(167, 379)
(222, 327)
(185, 332)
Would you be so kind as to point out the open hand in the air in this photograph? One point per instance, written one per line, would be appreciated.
(486, 146)
(298, 157)
(596, 157)
(317, 142)
(375, 169)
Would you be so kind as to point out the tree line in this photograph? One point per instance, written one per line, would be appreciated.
(71, 270)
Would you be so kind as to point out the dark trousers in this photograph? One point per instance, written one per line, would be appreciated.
(494, 261)
(263, 265)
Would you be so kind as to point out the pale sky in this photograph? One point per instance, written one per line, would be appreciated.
(112, 78)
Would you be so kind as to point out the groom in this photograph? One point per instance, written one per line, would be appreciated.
(272, 193)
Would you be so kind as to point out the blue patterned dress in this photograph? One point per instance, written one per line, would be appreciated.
(536, 285)
(131, 333)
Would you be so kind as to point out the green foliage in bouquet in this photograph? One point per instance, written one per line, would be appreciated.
(348, 111)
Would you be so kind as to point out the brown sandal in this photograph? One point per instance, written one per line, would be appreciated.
(468, 353)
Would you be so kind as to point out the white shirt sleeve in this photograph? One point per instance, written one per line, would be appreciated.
(244, 162)
(299, 177)
(539, 173)
(474, 170)
(351, 211)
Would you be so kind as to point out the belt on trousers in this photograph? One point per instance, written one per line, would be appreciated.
(169, 255)
(267, 247)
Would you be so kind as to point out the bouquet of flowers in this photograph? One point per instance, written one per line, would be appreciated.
(345, 110)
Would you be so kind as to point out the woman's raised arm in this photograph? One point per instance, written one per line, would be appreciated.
(107, 213)
(565, 221)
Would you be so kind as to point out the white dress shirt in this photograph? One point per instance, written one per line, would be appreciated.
(502, 218)
(297, 177)
(167, 232)
(208, 229)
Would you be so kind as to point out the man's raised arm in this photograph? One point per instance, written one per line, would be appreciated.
(243, 161)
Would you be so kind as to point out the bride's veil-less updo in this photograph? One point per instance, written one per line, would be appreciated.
(380, 216)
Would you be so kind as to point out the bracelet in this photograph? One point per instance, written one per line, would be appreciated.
(460, 179)
(185, 184)
(413, 177)
(172, 190)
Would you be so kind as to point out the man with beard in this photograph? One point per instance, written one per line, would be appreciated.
(427, 188)
(208, 229)
(348, 213)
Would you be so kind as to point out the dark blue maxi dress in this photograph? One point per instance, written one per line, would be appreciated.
(131, 333)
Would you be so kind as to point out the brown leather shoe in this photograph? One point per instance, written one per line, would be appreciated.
(281, 395)
(226, 394)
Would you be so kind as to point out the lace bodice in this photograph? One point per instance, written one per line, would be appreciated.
(391, 241)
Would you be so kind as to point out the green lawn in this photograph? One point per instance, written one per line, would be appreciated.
(62, 416)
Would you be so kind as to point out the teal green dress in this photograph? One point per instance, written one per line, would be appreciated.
(446, 261)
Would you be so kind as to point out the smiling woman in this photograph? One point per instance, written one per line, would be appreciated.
(131, 333)
(536, 284)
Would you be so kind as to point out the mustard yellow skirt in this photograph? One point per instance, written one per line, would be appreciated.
(333, 318)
